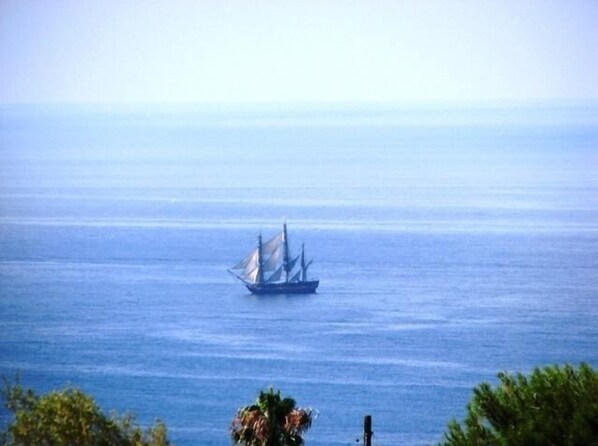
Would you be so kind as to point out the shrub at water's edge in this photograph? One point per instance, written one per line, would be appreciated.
(70, 417)
(553, 406)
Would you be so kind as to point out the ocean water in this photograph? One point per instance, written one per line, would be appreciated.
(451, 243)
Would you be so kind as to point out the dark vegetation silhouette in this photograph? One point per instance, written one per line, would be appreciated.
(556, 405)
(69, 417)
(553, 406)
(271, 421)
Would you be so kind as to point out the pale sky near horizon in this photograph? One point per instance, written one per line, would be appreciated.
(288, 51)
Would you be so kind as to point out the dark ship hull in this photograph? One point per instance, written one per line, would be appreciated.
(307, 287)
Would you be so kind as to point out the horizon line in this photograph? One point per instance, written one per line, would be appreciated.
(425, 103)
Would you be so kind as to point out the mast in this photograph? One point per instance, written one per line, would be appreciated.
(303, 267)
(260, 269)
(285, 252)
(304, 264)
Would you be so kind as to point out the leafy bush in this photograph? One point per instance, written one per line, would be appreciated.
(554, 406)
(69, 417)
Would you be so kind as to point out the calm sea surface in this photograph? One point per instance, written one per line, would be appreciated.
(451, 244)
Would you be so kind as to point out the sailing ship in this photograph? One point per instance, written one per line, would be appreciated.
(271, 269)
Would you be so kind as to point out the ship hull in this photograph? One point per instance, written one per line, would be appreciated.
(307, 287)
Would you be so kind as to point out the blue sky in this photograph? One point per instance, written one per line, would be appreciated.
(288, 51)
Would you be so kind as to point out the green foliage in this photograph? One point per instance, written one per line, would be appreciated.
(554, 406)
(70, 418)
(271, 421)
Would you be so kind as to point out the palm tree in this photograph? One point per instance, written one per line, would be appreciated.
(271, 421)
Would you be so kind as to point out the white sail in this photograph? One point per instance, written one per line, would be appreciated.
(252, 276)
(275, 277)
(249, 260)
(252, 264)
(274, 261)
(272, 245)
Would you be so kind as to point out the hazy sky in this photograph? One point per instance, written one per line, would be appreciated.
(300, 50)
